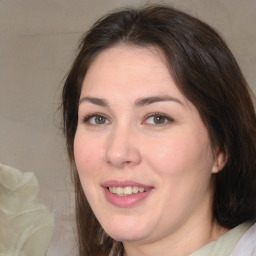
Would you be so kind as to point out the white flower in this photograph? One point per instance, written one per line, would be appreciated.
(26, 225)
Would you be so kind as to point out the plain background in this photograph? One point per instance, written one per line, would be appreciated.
(38, 41)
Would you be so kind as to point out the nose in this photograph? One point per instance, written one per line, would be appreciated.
(122, 148)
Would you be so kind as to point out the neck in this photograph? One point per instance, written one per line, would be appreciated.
(196, 232)
(178, 244)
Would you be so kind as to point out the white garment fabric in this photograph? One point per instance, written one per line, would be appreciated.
(26, 225)
(246, 246)
(225, 245)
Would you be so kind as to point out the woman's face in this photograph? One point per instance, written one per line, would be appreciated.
(142, 152)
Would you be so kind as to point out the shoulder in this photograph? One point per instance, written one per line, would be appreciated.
(246, 245)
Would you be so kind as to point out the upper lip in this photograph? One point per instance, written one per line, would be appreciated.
(125, 183)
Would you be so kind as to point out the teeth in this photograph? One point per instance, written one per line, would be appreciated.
(126, 190)
(141, 189)
(119, 190)
(135, 190)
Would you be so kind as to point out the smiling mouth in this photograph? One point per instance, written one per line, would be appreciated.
(127, 191)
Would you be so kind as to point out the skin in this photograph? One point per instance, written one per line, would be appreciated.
(170, 152)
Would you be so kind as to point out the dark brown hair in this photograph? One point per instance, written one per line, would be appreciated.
(206, 72)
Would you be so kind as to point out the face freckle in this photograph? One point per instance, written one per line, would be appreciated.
(171, 162)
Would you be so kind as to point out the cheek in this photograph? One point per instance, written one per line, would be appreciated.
(180, 154)
(88, 164)
(87, 161)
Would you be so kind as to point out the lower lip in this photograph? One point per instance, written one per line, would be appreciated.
(126, 201)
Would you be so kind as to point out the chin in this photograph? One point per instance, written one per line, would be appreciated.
(127, 233)
(126, 237)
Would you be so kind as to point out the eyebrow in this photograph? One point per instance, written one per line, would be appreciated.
(150, 100)
(96, 101)
(138, 103)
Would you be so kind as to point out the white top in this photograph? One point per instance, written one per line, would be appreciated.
(246, 246)
(239, 241)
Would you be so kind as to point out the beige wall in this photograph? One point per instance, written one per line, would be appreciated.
(38, 39)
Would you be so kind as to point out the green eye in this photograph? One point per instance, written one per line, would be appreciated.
(96, 119)
(158, 119)
(99, 120)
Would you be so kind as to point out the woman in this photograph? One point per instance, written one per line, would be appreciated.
(160, 131)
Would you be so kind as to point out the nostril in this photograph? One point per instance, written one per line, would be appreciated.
(124, 164)
(121, 153)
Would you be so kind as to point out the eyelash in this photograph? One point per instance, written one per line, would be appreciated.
(87, 118)
(167, 119)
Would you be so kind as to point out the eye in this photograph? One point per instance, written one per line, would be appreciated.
(158, 119)
(96, 119)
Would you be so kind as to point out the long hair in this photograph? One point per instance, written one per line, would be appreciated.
(206, 72)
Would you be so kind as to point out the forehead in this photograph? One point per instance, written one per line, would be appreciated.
(132, 51)
(128, 68)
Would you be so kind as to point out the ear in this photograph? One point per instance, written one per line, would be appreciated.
(220, 162)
